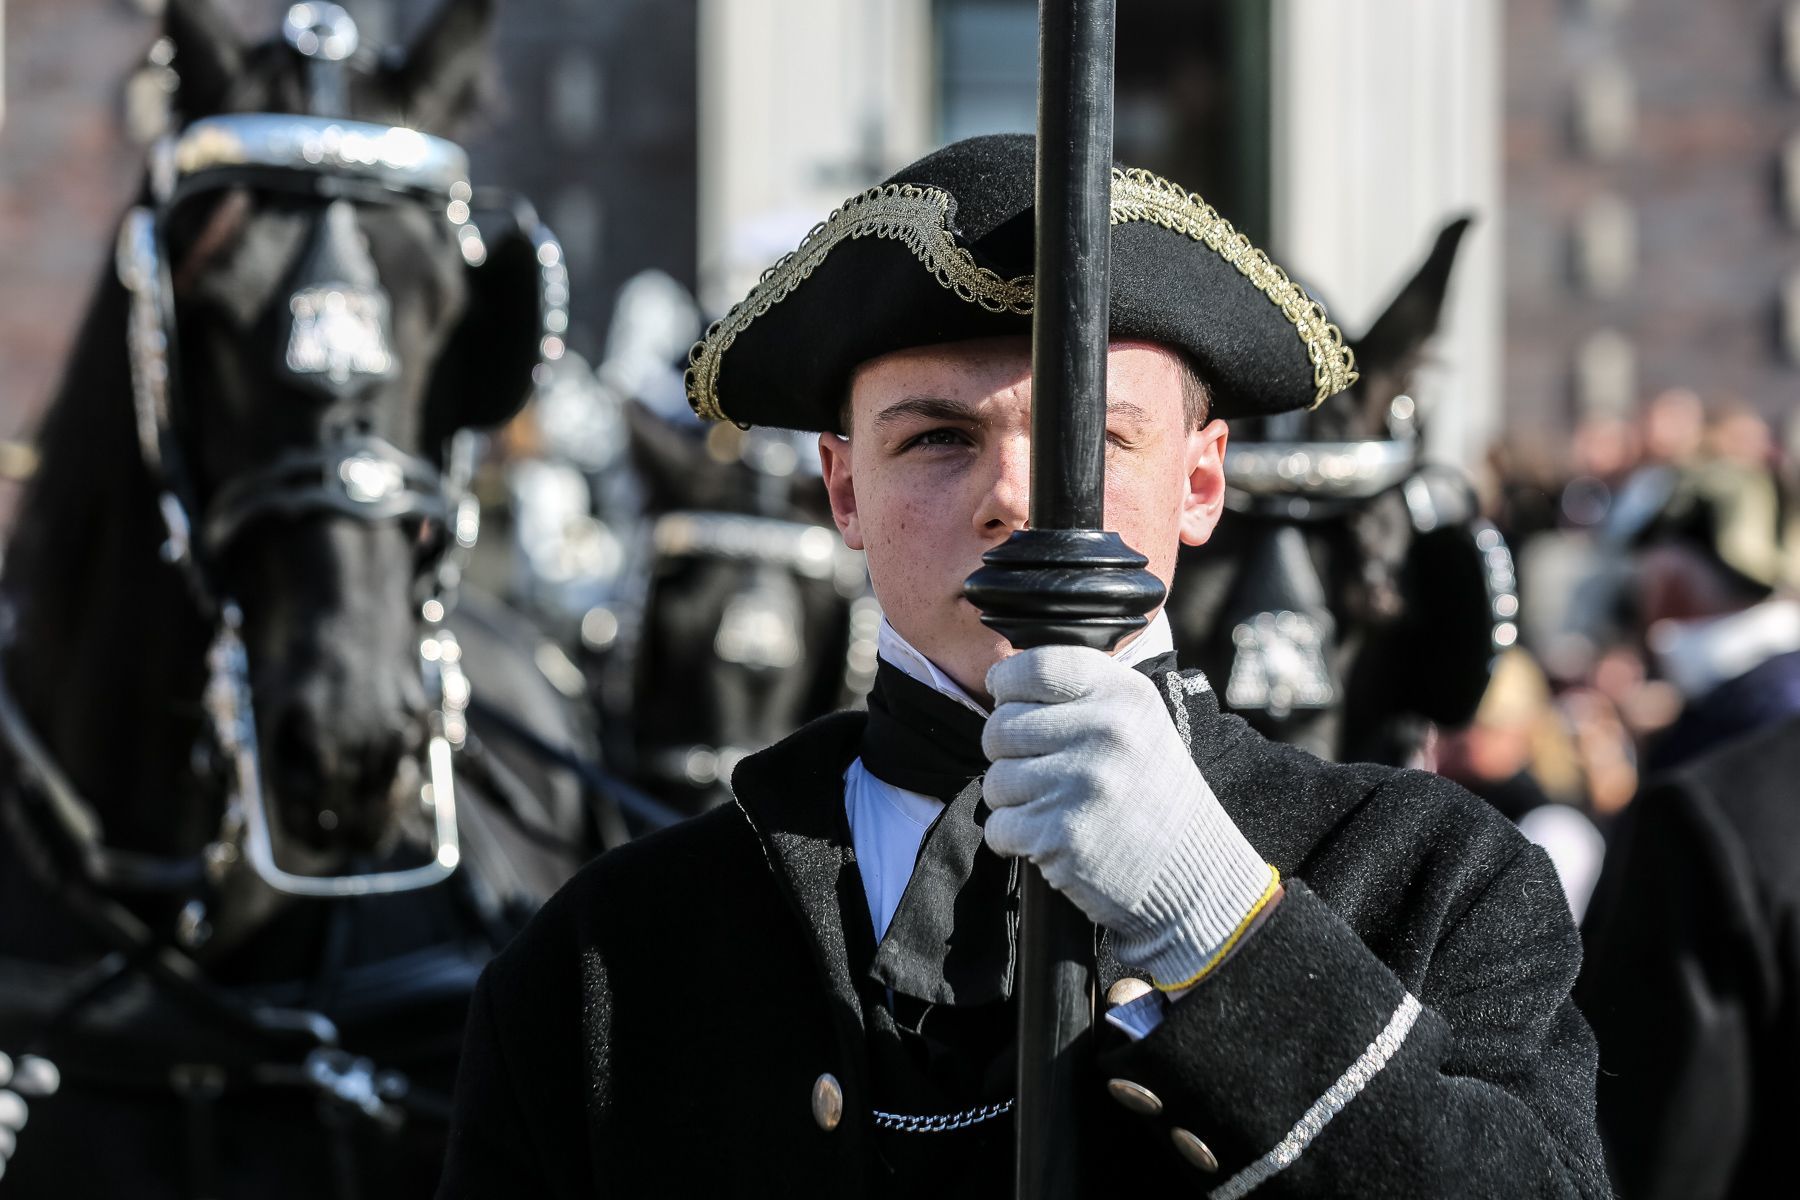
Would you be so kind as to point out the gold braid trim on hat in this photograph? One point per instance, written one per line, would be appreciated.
(919, 219)
(916, 217)
(1141, 196)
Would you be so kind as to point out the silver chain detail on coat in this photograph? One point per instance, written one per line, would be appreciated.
(946, 1123)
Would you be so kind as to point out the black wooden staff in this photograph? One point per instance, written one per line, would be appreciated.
(1064, 581)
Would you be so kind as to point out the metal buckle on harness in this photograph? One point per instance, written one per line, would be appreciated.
(228, 704)
(353, 1083)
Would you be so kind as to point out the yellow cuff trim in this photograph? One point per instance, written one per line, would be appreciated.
(1237, 935)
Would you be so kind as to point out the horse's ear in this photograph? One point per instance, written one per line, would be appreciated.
(208, 55)
(1391, 348)
(437, 80)
(668, 460)
(487, 370)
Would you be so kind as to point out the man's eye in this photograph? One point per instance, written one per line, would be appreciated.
(937, 437)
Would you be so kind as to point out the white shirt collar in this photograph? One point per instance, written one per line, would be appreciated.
(1155, 640)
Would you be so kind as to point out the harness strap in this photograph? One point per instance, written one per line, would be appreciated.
(80, 826)
(368, 478)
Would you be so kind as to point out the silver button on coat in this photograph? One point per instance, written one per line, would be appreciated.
(1197, 1152)
(827, 1101)
(1135, 1097)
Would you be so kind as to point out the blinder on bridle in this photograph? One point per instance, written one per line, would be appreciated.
(338, 344)
(1460, 594)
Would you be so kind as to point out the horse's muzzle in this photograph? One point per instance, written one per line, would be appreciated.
(339, 783)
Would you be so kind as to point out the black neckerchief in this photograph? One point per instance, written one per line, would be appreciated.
(953, 936)
(919, 739)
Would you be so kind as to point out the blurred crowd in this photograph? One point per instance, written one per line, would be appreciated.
(1658, 569)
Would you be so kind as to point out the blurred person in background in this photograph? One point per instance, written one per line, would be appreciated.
(1692, 965)
(1604, 748)
(1738, 434)
(1520, 490)
(1713, 558)
(1674, 427)
(1605, 449)
(1692, 976)
(1518, 756)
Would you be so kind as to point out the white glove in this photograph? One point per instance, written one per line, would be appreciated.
(32, 1076)
(1091, 782)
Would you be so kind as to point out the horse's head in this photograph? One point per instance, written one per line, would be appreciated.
(339, 314)
(1349, 594)
(752, 618)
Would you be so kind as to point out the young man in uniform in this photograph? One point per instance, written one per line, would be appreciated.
(1316, 979)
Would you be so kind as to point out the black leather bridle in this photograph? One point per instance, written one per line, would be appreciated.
(1282, 627)
(53, 830)
(339, 346)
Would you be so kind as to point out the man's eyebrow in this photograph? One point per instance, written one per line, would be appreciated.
(927, 408)
(1128, 410)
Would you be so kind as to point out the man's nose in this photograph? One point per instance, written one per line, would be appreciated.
(1007, 504)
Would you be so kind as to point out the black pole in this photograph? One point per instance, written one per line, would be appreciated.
(1074, 263)
(1063, 580)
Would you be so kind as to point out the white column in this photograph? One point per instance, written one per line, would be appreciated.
(802, 104)
(1386, 122)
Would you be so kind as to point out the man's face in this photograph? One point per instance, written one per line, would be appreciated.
(936, 471)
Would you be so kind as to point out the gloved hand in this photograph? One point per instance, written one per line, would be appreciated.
(1091, 782)
(32, 1076)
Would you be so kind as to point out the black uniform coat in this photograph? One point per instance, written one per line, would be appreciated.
(1693, 978)
(1400, 1025)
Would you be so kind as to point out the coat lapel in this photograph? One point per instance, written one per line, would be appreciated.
(793, 796)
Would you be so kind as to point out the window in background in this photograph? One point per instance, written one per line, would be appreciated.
(1192, 90)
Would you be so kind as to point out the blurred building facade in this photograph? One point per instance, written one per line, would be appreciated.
(1341, 134)
(591, 115)
(1634, 164)
(1652, 166)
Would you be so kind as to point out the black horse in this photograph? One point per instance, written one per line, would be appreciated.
(748, 616)
(255, 846)
(1353, 598)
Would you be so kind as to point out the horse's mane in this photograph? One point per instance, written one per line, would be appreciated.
(89, 471)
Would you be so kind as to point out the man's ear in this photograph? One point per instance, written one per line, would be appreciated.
(1204, 501)
(840, 487)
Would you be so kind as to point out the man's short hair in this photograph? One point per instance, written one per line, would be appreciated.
(1196, 396)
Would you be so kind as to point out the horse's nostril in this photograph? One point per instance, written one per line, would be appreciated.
(332, 786)
(294, 759)
(381, 762)
(296, 753)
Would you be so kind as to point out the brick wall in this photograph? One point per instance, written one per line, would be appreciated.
(1696, 175)
(1686, 185)
(66, 173)
(67, 169)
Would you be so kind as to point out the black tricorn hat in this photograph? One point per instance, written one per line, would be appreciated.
(942, 252)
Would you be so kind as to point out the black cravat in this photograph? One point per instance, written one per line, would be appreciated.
(919, 739)
(950, 941)
(952, 937)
